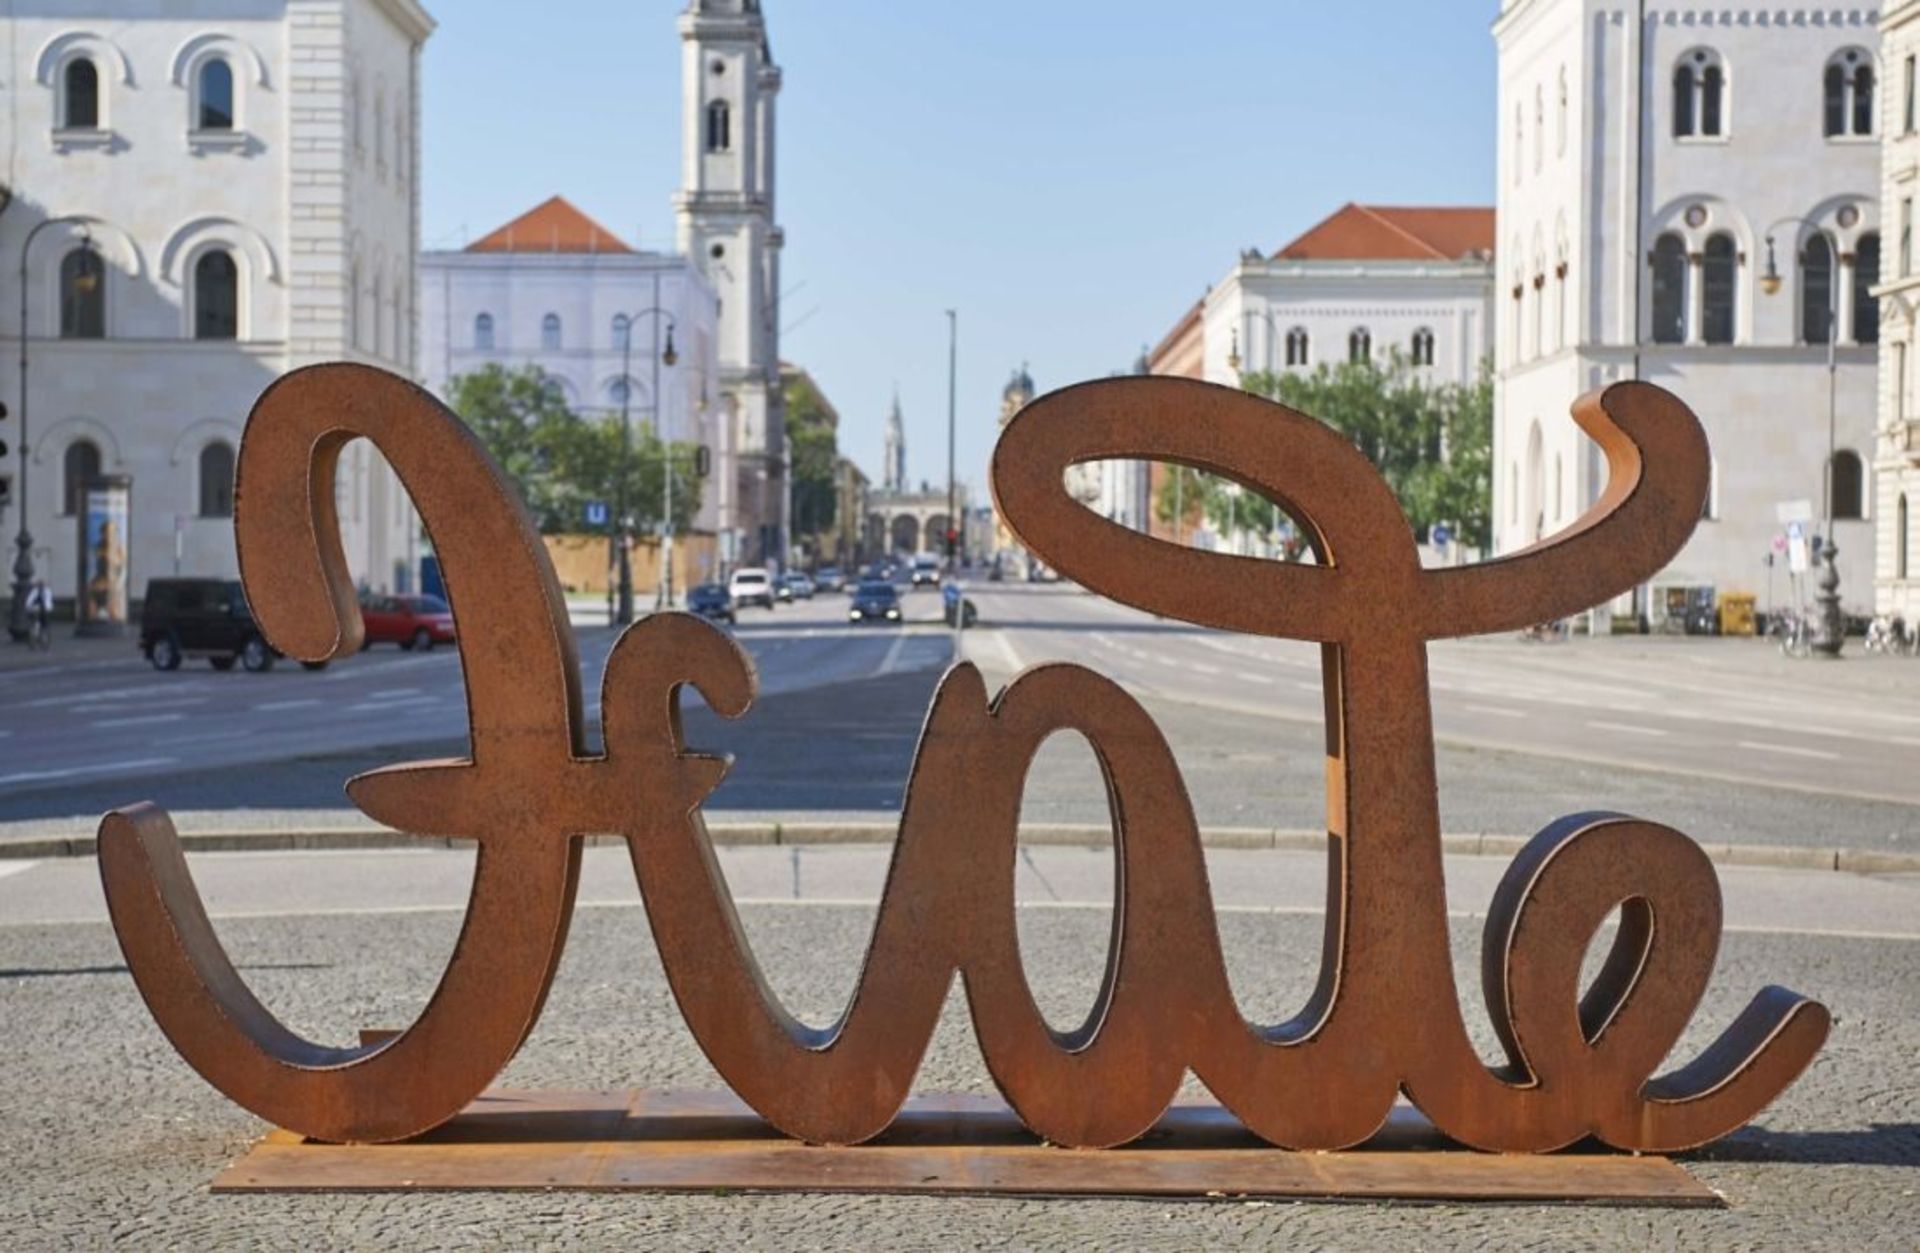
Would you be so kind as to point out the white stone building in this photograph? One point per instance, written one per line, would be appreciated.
(556, 290)
(1897, 448)
(1650, 178)
(200, 203)
(726, 226)
(1367, 282)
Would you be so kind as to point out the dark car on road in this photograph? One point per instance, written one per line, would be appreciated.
(412, 622)
(208, 618)
(875, 600)
(831, 579)
(711, 600)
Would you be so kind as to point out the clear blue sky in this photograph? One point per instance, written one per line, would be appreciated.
(1069, 175)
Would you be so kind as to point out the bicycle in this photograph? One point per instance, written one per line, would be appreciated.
(1889, 634)
(40, 634)
(1794, 632)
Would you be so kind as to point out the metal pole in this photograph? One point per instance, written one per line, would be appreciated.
(953, 403)
(623, 614)
(1832, 635)
(665, 596)
(17, 625)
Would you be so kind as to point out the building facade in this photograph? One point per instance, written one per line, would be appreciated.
(725, 217)
(1691, 199)
(199, 204)
(1897, 447)
(556, 290)
(903, 520)
(1412, 285)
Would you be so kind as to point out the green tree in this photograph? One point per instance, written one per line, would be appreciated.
(589, 466)
(522, 418)
(1432, 444)
(813, 450)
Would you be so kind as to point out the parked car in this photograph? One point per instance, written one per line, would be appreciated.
(208, 618)
(875, 600)
(711, 600)
(926, 571)
(797, 586)
(830, 579)
(412, 622)
(751, 586)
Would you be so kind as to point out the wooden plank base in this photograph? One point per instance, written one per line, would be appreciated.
(654, 1141)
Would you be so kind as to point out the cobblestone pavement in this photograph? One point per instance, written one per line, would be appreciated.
(110, 1139)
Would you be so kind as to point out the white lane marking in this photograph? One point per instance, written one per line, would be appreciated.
(15, 867)
(1494, 711)
(4, 733)
(1628, 729)
(145, 720)
(392, 693)
(1307, 687)
(391, 706)
(1788, 750)
(1248, 676)
(77, 772)
(1005, 644)
(275, 706)
(1202, 668)
(891, 661)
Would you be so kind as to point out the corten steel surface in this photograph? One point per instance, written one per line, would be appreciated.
(1385, 1017)
(705, 1142)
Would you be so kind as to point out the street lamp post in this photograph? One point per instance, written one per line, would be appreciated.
(17, 624)
(1830, 633)
(623, 613)
(953, 401)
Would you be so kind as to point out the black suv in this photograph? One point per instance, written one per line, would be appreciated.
(203, 618)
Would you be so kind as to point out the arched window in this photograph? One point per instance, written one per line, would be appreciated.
(1848, 483)
(216, 480)
(1720, 278)
(82, 462)
(620, 390)
(83, 295)
(1669, 290)
(1847, 93)
(1422, 347)
(483, 332)
(719, 126)
(1360, 346)
(215, 88)
(622, 328)
(1902, 541)
(1816, 291)
(1866, 277)
(1700, 95)
(1298, 345)
(216, 296)
(550, 333)
(80, 96)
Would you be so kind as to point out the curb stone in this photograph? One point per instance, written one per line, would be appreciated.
(1778, 857)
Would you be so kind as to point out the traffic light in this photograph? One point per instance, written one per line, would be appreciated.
(702, 461)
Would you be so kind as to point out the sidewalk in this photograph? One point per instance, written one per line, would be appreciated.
(68, 650)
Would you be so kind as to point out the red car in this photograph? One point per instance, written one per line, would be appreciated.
(412, 622)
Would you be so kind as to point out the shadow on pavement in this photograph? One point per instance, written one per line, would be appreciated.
(1883, 1144)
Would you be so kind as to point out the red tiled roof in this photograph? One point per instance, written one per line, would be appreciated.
(1379, 233)
(555, 226)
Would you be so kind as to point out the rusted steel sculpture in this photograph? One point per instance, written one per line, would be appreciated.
(1385, 1017)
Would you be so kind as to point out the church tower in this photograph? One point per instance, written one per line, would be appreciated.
(893, 461)
(724, 214)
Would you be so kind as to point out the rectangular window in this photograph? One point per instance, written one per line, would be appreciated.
(1906, 237)
(1907, 108)
(1899, 383)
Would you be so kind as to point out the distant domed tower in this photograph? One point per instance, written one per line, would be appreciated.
(1015, 396)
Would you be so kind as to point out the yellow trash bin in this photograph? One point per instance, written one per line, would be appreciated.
(1736, 614)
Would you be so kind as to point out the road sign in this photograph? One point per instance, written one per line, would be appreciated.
(1442, 535)
(596, 513)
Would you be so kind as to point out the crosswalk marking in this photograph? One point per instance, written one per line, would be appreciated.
(15, 867)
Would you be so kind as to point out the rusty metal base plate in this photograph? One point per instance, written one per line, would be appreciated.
(709, 1142)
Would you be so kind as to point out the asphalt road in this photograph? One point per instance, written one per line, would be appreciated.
(68, 725)
(1722, 709)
